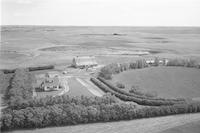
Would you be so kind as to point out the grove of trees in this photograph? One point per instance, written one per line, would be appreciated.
(72, 111)
(20, 87)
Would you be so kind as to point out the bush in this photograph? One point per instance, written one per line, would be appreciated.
(151, 94)
(105, 73)
(120, 85)
(41, 68)
(138, 91)
(183, 63)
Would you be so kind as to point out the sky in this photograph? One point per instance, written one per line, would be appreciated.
(101, 12)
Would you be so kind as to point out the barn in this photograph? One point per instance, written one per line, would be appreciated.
(84, 61)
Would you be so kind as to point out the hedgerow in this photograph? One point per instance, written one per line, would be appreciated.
(114, 68)
(183, 63)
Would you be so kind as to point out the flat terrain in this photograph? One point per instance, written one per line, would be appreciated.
(166, 81)
(193, 127)
(24, 46)
(39, 45)
(150, 125)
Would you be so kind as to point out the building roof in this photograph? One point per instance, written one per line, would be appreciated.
(84, 61)
(52, 82)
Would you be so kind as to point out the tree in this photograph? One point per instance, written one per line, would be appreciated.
(120, 85)
(21, 86)
(156, 61)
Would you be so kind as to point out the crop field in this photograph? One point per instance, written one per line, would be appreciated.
(166, 81)
(32, 46)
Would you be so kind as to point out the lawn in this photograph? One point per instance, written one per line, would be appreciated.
(193, 127)
(166, 81)
(77, 89)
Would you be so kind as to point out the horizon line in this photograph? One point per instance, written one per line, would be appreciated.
(102, 25)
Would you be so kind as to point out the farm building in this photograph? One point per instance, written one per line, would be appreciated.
(50, 83)
(84, 61)
(161, 62)
(150, 61)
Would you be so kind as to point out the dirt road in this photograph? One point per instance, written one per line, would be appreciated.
(150, 125)
(89, 87)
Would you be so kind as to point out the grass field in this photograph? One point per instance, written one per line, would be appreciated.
(166, 81)
(193, 127)
(77, 89)
(32, 45)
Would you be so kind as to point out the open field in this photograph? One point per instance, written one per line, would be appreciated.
(166, 81)
(149, 125)
(32, 46)
(193, 127)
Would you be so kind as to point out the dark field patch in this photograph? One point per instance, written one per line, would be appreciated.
(156, 38)
(154, 51)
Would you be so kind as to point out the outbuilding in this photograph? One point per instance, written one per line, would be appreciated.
(84, 61)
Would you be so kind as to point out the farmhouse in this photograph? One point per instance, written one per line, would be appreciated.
(84, 61)
(150, 61)
(50, 83)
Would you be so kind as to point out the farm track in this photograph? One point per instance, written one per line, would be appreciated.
(147, 125)
(89, 87)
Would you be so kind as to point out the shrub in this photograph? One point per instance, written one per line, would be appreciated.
(105, 73)
(120, 85)
(183, 62)
(156, 61)
(41, 68)
(138, 91)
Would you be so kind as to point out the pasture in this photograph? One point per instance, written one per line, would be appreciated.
(166, 81)
(43, 45)
(31, 46)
